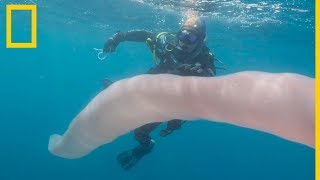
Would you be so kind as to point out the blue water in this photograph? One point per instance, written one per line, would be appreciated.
(42, 89)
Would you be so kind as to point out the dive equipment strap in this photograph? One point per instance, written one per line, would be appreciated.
(152, 44)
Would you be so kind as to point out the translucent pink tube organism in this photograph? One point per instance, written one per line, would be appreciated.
(281, 104)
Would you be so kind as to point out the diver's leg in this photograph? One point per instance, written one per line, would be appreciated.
(128, 159)
(142, 134)
(172, 125)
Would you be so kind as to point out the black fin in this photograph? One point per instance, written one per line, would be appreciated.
(130, 158)
(127, 160)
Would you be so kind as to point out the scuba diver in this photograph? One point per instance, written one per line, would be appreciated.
(181, 53)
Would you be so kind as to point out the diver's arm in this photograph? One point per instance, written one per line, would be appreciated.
(137, 35)
(134, 35)
(203, 66)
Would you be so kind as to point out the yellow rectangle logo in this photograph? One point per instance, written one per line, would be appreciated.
(33, 9)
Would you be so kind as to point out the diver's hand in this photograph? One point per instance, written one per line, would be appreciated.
(111, 44)
(194, 68)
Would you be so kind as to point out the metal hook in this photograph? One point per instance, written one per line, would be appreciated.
(100, 51)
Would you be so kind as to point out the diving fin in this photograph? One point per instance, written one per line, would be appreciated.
(130, 158)
(106, 83)
(127, 160)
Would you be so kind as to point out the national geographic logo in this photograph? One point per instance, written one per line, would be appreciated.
(17, 7)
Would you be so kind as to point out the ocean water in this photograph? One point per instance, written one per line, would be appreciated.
(42, 89)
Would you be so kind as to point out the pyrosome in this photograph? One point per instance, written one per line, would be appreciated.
(277, 103)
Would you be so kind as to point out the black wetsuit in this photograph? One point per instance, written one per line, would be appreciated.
(170, 59)
(170, 62)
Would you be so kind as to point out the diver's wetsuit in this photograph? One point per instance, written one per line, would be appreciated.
(171, 61)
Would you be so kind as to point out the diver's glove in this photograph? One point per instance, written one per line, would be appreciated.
(113, 42)
(193, 68)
